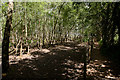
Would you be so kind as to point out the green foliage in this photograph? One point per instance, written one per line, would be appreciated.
(11, 44)
(116, 38)
(100, 42)
(34, 41)
(28, 41)
(56, 21)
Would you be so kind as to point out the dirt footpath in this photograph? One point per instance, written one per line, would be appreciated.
(60, 62)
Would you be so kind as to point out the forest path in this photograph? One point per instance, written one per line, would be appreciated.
(60, 62)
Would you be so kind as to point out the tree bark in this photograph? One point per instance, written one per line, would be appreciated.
(104, 29)
(21, 48)
(5, 43)
(43, 36)
(118, 21)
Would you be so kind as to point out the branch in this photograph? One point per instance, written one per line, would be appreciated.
(13, 27)
(16, 25)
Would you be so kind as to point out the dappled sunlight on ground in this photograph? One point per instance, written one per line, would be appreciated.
(63, 47)
(15, 59)
(100, 69)
(73, 70)
(82, 44)
(62, 62)
(96, 69)
(40, 50)
(45, 50)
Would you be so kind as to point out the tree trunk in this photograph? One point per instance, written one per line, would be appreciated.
(28, 50)
(118, 21)
(26, 31)
(1, 33)
(5, 43)
(21, 49)
(43, 36)
(43, 30)
(105, 29)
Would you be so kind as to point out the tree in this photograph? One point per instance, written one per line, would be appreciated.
(5, 43)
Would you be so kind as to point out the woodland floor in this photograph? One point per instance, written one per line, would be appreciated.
(62, 62)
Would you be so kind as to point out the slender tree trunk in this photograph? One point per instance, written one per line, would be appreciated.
(54, 30)
(85, 63)
(49, 38)
(13, 41)
(16, 41)
(53, 38)
(26, 29)
(5, 43)
(28, 50)
(43, 41)
(1, 37)
(43, 30)
(52, 35)
(39, 36)
(21, 49)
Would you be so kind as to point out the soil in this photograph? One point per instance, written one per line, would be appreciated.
(62, 62)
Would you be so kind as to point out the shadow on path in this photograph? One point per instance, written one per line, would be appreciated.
(61, 62)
